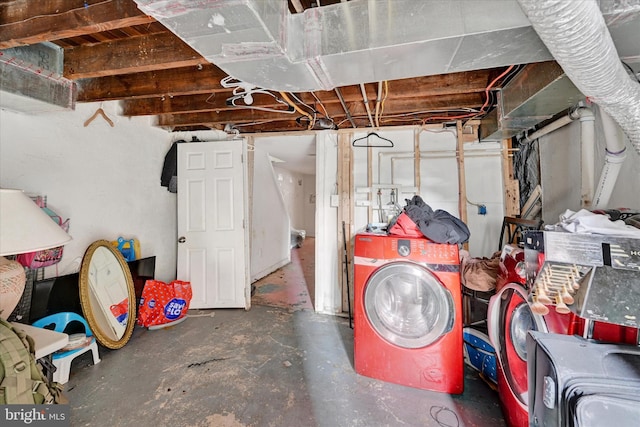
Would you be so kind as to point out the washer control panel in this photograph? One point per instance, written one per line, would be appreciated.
(404, 247)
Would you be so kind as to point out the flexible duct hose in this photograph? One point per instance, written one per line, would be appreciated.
(576, 35)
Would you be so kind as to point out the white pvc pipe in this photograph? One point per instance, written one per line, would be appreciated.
(587, 151)
(616, 154)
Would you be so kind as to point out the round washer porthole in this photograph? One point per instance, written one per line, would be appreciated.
(407, 305)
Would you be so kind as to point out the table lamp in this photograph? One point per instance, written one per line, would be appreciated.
(24, 227)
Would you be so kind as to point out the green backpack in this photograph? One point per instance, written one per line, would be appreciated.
(21, 378)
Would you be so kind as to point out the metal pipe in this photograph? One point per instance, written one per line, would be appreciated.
(344, 106)
(366, 103)
(562, 121)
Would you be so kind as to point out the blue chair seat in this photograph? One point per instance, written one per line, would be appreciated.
(60, 322)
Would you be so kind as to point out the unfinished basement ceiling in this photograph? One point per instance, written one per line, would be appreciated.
(114, 51)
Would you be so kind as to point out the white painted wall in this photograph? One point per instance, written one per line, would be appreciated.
(106, 179)
(291, 186)
(270, 228)
(560, 171)
(560, 176)
(309, 204)
(438, 186)
(483, 166)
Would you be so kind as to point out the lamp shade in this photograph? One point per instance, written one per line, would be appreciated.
(24, 227)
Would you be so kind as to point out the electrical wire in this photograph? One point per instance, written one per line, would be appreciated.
(472, 116)
(486, 91)
(303, 103)
(435, 412)
(322, 105)
(260, 122)
(474, 204)
(323, 122)
(416, 113)
(299, 110)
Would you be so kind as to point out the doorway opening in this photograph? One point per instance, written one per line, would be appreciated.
(291, 286)
(283, 222)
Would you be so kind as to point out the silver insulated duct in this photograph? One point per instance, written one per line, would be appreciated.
(362, 41)
(348, 43)
(576, 34)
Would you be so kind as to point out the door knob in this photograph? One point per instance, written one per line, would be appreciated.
(182, 239)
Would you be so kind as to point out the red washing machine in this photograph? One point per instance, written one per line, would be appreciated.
(407, 312)
(510, 317)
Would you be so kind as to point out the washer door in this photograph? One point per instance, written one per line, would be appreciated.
(511, 319)
(407, 305)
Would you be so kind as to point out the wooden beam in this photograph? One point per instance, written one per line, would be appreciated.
(215, 101)
(418, 87)
(511, 186)
(131, 55)
(274, 126)
(462, 180)
(211, 118)
(27, 22)
(174, 81)
(345, 214)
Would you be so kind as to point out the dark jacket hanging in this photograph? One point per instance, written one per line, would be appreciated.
(169, 176)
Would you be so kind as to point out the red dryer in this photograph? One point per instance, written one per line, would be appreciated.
(510, 318)
(407, 312)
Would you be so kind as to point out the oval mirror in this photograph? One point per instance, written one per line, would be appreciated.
(107, 294)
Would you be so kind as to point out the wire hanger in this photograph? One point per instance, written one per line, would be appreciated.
(289, 110)
(100, 112)
(388, 144)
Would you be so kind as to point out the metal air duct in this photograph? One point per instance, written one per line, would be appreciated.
(31, 80)
(348, 43)
(261, 42)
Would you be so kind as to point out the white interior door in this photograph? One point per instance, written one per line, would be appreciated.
(212, 233)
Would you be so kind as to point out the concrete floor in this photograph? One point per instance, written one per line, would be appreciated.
(274, 365)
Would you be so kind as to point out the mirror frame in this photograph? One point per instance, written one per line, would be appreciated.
(85, 301)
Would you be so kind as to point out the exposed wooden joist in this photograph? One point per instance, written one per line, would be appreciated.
(217, 102)
(209, 118)
(462, 184)
(130, 55)
(271, 126)
(28, 22)
(175, 81)
(426, 92)
(438, 85)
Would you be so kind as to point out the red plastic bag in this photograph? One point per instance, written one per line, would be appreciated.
(163, 303)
